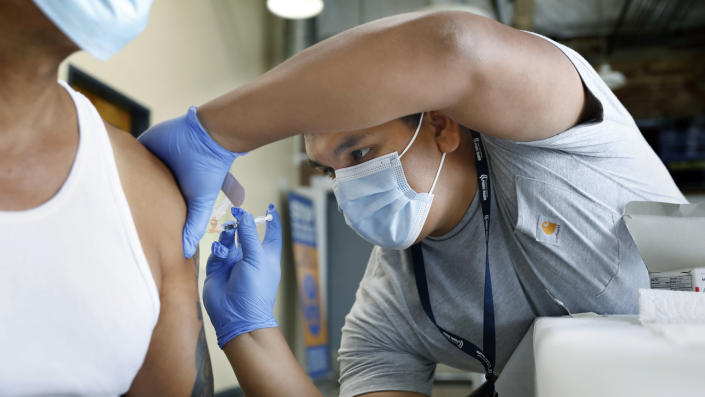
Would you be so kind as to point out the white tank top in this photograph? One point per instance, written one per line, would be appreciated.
(77, 299)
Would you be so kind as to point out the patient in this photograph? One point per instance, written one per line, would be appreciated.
(96, 297)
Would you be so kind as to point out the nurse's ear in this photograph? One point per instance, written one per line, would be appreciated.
(446, 131)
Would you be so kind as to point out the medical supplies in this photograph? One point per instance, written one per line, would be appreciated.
(690, 280)
(199, 164)
(230, 225)
(100, 28)
(378, 203)
(670, 240)
(242, 278)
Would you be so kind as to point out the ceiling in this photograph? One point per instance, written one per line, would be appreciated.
(620, 23)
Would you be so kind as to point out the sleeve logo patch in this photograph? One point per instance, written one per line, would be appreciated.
(548, 230)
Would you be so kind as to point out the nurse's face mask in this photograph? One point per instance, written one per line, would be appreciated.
(99, 27)
(378, 202)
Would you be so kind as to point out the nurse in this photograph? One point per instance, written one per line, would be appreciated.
(489, 166)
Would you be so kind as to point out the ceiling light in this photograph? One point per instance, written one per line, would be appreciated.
(479, 7)
(295, 9)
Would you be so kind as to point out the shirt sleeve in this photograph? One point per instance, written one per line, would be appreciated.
(609, 134)
(376, 353)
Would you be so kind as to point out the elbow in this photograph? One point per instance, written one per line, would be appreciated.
(456, 34)
(452, 42)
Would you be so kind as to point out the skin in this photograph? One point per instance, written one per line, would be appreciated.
(254, 374)
(456, 185)
(484, 75)
(476, 73)
(38, 143)
(455, 189)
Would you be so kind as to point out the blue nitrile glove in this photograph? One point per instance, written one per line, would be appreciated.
(241, 282)
(199, 165)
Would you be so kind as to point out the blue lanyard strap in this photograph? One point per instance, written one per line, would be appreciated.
(486, 355)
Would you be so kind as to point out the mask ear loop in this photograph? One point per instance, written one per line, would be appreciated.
(438, 173)
(418, 128)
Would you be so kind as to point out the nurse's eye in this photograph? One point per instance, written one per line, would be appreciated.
(359, 154)
(328, 171)
(322, 169)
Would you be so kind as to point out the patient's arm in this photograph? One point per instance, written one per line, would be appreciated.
(177, 362)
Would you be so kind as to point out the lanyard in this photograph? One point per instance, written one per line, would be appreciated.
(486, 355)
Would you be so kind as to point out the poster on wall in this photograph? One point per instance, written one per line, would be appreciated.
(303, 232)
(113, 106)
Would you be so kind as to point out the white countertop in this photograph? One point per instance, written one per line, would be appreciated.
(605, 356)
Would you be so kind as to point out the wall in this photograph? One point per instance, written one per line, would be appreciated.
(191, 52)
(665, 83)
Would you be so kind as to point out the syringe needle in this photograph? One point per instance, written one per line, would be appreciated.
(234, 223)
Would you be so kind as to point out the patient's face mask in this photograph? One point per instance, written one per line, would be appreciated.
(378, 202)
(99, 27)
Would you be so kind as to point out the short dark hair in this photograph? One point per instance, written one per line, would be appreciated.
(411, 120)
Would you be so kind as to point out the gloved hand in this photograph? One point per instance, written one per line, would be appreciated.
(241, 282)
(199, 165)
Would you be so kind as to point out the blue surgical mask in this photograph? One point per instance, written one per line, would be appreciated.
(99, 27)
(378, 203)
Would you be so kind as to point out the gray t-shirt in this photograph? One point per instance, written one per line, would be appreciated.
(556, 225)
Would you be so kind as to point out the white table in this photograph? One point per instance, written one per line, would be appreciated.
(605, 356)
(612, 356)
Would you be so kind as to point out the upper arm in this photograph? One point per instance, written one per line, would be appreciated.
(516, 85)
(177, 361)
(485, 75)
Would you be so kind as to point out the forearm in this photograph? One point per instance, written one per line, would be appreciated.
(265, 366)
(357, 79)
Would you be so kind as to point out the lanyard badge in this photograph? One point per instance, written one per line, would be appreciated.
(486, 355)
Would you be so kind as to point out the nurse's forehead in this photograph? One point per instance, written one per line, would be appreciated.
(333, 144)
(336, 143)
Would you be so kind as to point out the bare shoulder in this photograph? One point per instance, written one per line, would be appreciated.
(177, 361)
(157, 206)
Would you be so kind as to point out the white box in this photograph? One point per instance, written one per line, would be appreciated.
(671, 240)
(690, 280)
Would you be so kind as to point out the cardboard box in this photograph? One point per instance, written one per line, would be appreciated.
(671, 241)
(691, 280)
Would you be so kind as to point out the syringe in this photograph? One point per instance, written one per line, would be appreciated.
(262, 219)
(230, 225)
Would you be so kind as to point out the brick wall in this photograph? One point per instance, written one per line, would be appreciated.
(662, 84)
